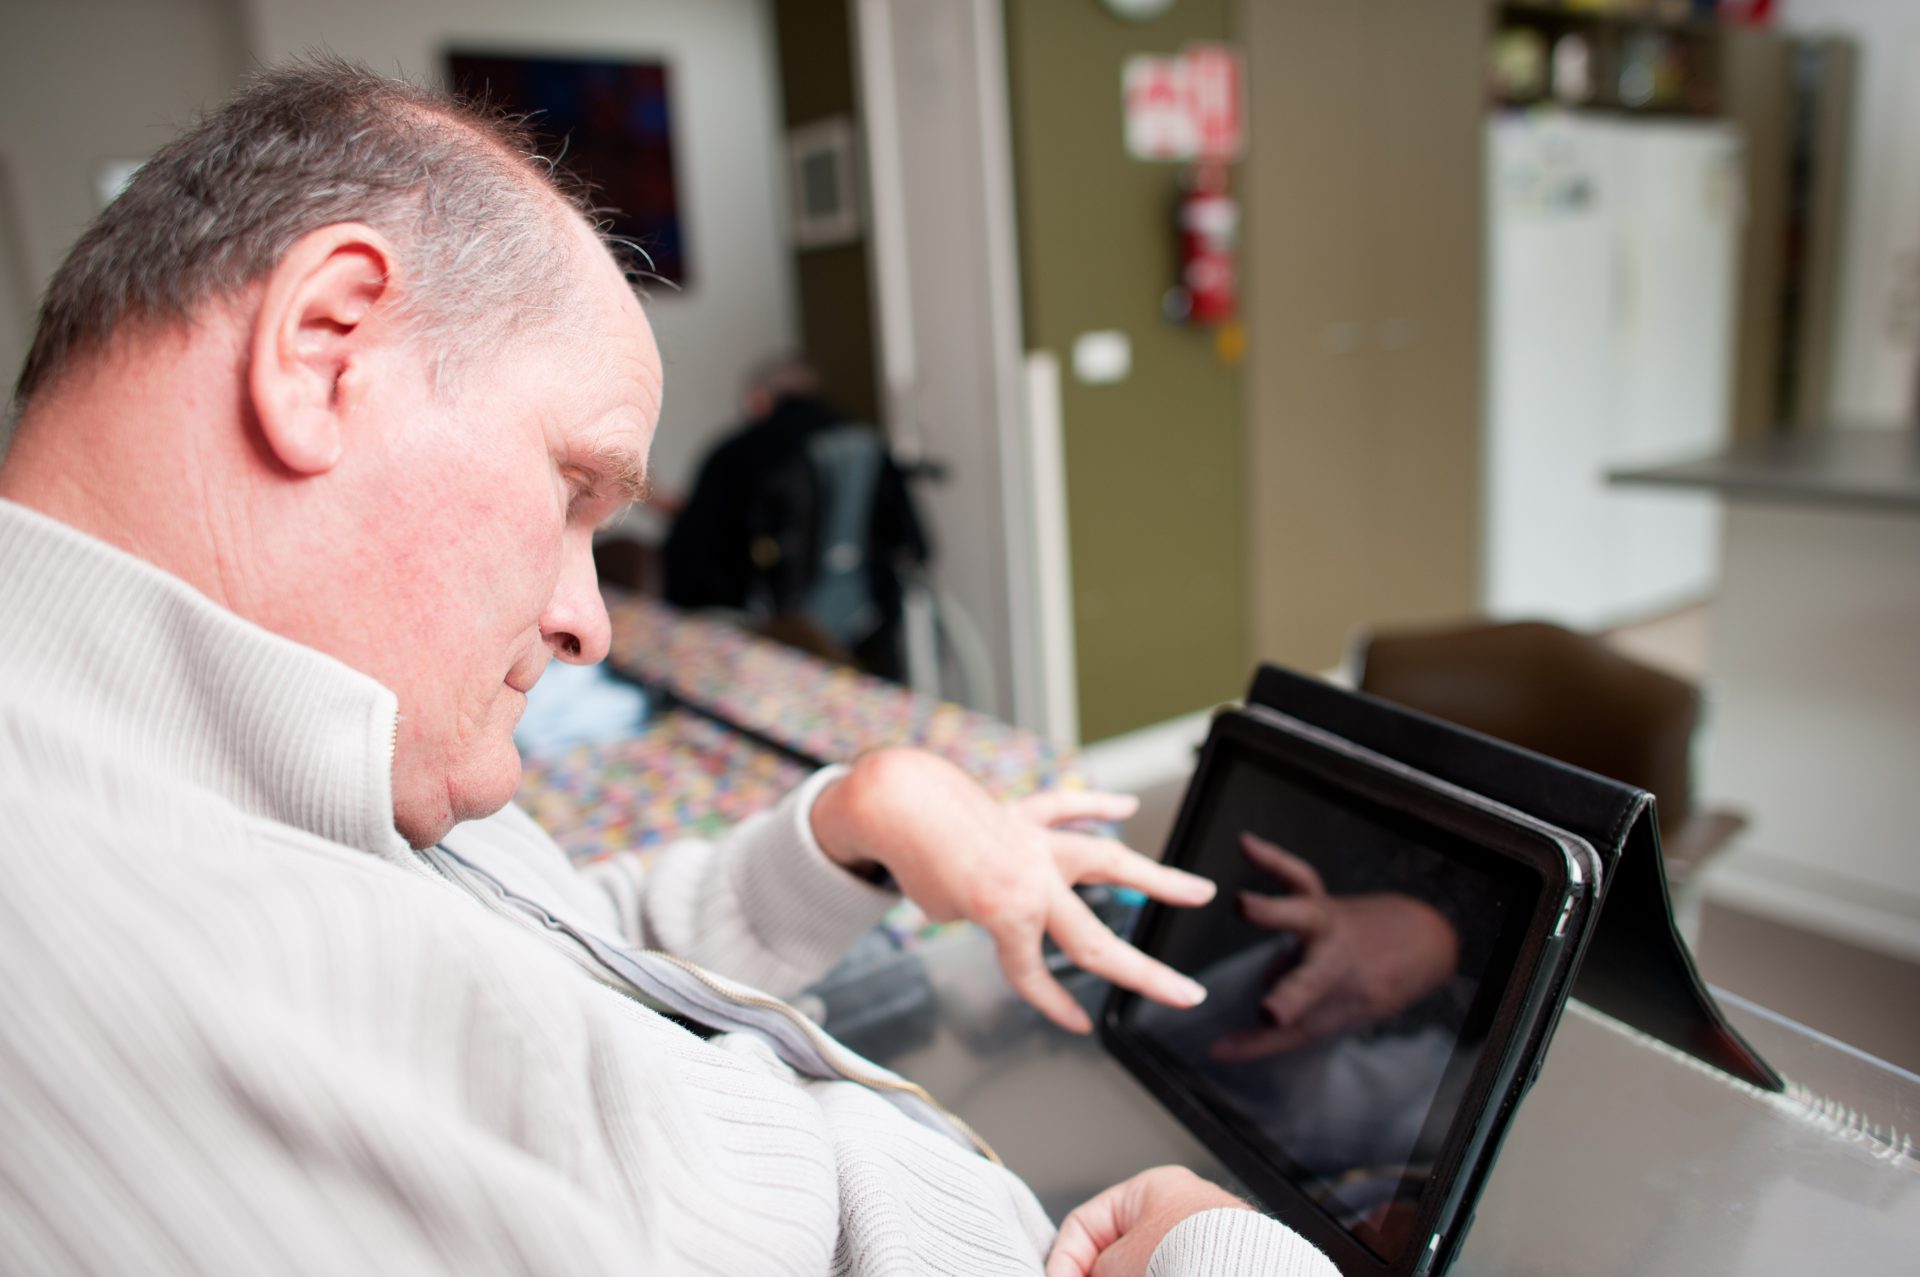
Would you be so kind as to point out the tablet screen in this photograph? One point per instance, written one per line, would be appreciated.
(1354, 958)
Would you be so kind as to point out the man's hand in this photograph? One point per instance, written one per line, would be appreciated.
(958, 853)
(1115, 1234)
(1366, 957)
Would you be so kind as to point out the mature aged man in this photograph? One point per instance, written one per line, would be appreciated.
(316, 427)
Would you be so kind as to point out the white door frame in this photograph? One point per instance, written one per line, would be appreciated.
(1025, 542)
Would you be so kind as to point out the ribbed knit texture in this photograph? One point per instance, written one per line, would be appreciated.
(243, 1029)
(1221, 1241)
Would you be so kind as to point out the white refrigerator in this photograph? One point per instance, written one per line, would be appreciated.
(1612, 262)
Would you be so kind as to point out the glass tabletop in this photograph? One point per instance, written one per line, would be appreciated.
(1626, 1157)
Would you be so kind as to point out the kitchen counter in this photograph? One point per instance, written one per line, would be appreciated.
(1856, 469)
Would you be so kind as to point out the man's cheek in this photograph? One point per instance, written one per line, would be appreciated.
(477, 557)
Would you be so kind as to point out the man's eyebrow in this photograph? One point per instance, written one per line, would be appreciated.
(624, 470)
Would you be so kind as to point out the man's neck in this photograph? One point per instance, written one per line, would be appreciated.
(131, 477)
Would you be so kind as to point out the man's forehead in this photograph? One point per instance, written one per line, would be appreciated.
(627, 334)
(599, 374)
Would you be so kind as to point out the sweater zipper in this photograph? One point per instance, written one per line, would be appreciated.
(532, 911)
(813, 1032)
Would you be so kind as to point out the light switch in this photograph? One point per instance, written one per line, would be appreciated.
(1102, 358)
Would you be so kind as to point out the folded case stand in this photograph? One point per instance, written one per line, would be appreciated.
(1637, 968)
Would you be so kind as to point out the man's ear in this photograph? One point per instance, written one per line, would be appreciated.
(308, 337)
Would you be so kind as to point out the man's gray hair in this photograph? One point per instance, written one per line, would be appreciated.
(474, 213)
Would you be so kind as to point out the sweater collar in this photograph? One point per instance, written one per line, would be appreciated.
(142, 664)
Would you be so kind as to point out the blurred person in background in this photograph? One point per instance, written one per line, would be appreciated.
(318, 422)
(801, 521)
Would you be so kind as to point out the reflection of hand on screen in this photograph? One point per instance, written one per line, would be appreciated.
(1366, 957)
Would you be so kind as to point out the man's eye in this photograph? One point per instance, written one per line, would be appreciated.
(580, 494)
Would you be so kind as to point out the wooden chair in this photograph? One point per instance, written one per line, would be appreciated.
(1566, 695)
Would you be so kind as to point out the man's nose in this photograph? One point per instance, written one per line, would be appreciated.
(575, 625)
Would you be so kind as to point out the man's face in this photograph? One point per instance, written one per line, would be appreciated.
(473, 559)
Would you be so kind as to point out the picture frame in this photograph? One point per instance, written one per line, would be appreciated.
(823, 183)
(609, 122)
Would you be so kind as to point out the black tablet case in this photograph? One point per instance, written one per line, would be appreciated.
(1637, 968)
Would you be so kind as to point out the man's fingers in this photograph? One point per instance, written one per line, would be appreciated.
(1085, 858)
(1284, 865)
(1058, 806)
(1302, 915)
(1086, 940)
(1302, 989)
(1018, 947)
(1073, 1255)
(1084, 1234)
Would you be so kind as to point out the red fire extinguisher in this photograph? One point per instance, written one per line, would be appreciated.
(1208, 221)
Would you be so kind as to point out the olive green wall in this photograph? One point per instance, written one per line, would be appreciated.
(1154, 492)
(814, 41)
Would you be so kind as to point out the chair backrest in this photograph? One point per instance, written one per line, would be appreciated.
(846, 463)
(1549, 689)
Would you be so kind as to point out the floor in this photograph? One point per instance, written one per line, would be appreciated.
(1860, 996)
(1677, 643)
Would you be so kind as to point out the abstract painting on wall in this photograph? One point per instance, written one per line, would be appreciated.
(608, 123)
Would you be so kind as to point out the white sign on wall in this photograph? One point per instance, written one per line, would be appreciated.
(1185, 107)
(1159, 126)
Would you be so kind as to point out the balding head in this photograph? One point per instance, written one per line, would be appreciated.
(474, 214)
(242, 376)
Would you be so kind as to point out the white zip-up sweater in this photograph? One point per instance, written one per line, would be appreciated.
(244, 1028)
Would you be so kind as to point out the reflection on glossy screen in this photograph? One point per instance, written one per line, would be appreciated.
(1352, 960)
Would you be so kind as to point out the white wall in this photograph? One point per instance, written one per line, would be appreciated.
(1878, 333)
(727, 144)
(83, 82)
(1814, 728)
(86, 80)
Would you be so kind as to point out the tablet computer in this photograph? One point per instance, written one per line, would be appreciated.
(1385, 961)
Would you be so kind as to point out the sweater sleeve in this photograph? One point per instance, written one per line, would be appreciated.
(1230, 1242)
(763, 905)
